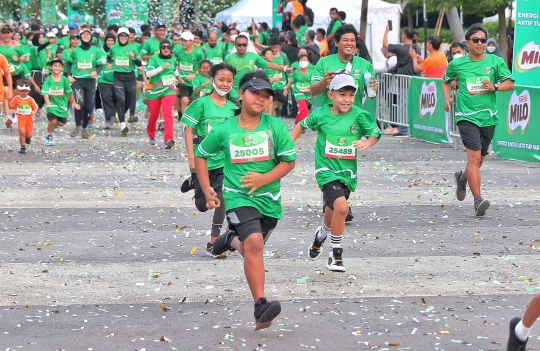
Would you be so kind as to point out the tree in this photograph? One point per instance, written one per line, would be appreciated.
(363, 19)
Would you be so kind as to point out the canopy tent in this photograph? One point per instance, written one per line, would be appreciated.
(506, 14)
(379, 12)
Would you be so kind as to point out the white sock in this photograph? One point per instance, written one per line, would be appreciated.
(122, 125)
(335, 241)
(522, 332)
(323, 232)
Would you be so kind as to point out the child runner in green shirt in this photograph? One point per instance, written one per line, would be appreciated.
(200, 117)
(340, 129)
(258, 153)
(202, 85)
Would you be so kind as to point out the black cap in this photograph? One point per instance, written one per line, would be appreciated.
(160, 25)
(264, 25)
(73, 36)
(257, 84)
(55, 60)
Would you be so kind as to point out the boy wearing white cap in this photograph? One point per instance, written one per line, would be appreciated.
(340, 128)
(26, 108)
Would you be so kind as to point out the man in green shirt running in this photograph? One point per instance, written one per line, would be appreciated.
(479, 77)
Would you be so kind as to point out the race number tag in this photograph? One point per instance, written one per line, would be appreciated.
(84, 66)
(56, 91)
(24, 110)
(340, 147)
(216, 60)
(250, 147)
(474, 85)
(186, 67)
(168, 79)
(122, 61)
(302, 87)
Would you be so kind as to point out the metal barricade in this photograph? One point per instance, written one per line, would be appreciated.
(452, 125)
(392, 99)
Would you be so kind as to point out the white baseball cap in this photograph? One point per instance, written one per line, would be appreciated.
(187, 36)
(50, 35)
(341, 81)
(123, 30)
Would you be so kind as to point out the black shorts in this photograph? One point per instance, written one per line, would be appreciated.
(280, 97)
(334, 190)
(474, 137)
(216, 181)
(185, 91)
(51, 116)
(248, 220)
(140, 78)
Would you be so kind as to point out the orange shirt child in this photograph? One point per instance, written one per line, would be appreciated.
(25, 108)
(4, 67)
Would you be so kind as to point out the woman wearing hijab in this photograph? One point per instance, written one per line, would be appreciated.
(161, 92)
(83, 67)
(493, 48)
(105, 83)
(39, 64)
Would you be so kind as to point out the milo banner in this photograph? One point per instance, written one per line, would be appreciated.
(517, 137)
(76, 12)
(48, 12)
(527, 43)
(427, 118)
(276, 17)
(127, 13)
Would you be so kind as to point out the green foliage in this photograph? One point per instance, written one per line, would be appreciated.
(446, 35)
(479, 7)
(493, 29)
(206, 10)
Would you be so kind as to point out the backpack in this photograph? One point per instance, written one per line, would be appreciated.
(309, 16)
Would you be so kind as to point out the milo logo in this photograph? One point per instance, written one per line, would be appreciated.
(519, 112)
(528, 57)
(428, 100)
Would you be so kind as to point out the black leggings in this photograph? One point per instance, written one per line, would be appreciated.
(108, 101)
(39, 78)
(124, 89)
(84, 90)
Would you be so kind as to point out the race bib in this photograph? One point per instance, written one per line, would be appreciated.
(186, 67)
(84, 66)
(302, 87)
(168, 79)
(340, 147)
(217, 60)
(474, 85)
(122, 61)
(278, 75)
(250, 147)
(24, 110)
(56, 91)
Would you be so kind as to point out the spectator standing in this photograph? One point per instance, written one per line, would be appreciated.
(333, 26)
(435, 64)
(323, 43)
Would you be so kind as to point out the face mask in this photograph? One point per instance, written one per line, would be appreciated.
(457, 56)
(233, 37)
(491, 49)
(303, 64)
(219, 91)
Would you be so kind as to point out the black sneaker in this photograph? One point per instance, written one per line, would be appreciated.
(316, 248)
(265, 312)
(481, 208)
(350, 216)
(187, 185)
(221, 245)
(209, 248)
(514, 344)
(335, 261)
(461, 187)
(22, 150)
(125, 131)
(28, 141)
(169, 145)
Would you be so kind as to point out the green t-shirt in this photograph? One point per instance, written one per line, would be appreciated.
(335, 156)
(215, 54)
(473, 103)
(263, 38)
(333, 63)
(243, 65)
(106, 75)
(25, 49)
(38, 59)
(165, 80)
(52, 49)
(200, 80)
(259, 150)
(151, 46)
(121, 61)
(301, 83)
(25, 71)
(188, 63)
(9, 51)
(84, 62)
(64, 42)
(203, 115)
(58, 95)
(281, 60)
(337, 24)
(226, 47)
(66, 53)
(301, 36)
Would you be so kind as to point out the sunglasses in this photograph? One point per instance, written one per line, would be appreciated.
(166, 47)
(476, 40)
(241, 45)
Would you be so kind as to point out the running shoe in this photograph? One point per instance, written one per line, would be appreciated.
(265, 312)
(75, 131)
(161, 126)
(481, 208)
(221, 244)
(187, 185)
(49, 140)
(169, 144)
(152, 141)
(22, 150)
(133, 119)
(125, 131)
(335, 260)
(514, 344)
(316, 248)
(350, 216)
(28, 141)
(210, 248)
(461, 186)
(84, 134)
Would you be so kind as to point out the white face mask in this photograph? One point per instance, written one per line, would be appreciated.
(303, 64)
(219, 91)
(233, 37)
(491, 49)
(457, 56)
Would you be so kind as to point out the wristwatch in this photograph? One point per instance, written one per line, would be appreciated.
(496, 86)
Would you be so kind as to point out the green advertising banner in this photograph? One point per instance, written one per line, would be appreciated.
(427, 118)
(25, 11)
(76, 12)
(48, 12)
(517, 137)
(127, 13)
(276, 17)
(527, 43)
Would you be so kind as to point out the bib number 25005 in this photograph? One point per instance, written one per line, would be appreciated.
(249, 147)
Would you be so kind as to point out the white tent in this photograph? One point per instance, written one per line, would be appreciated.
(495, 18)
(379, 12)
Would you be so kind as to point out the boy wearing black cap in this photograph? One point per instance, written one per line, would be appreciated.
(340, 130)
(258, 153)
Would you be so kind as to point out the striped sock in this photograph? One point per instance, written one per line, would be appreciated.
(321, 235)
(335, 241)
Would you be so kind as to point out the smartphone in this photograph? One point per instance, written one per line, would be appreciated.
(389, 24)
